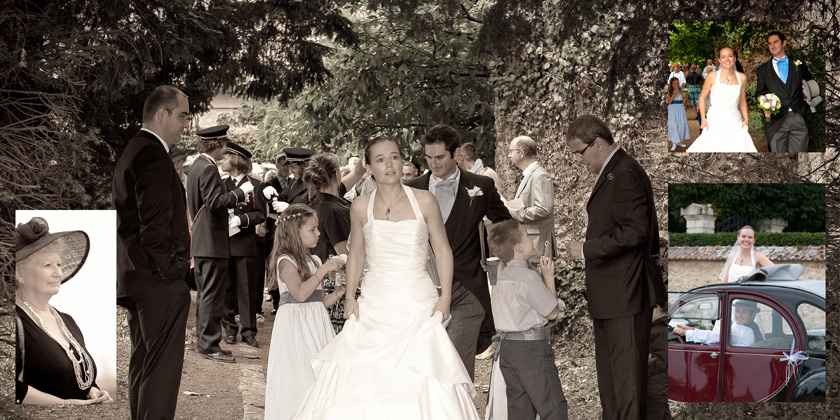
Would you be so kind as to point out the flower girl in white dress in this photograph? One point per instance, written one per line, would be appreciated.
(302, 326)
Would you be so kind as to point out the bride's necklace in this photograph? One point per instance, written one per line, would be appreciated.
(81, 364)
(388, 205)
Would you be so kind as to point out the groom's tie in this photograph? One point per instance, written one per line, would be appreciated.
(445, 193)
(782, 65)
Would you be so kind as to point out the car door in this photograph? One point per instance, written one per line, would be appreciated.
(694, 369)
(753, 372)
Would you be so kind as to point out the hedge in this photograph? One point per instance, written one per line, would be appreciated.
(761, 239)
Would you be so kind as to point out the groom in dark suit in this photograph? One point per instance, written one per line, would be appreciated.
(787, 131)
(153, 255)
(464, 199)
(623, 282)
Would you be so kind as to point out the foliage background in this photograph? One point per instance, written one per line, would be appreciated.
(803, 206)
(761, 239)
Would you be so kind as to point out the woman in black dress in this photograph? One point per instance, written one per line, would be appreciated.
(53, 366)
(323, 176)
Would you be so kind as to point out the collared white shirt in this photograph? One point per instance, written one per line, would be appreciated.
(165, 146)
(477, 166)
(237, 179)
(433, 180)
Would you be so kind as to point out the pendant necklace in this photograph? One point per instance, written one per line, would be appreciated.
(388, 206)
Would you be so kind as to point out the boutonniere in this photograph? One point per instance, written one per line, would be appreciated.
(473, 193)
(797, 63)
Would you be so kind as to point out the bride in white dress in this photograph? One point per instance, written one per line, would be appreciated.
(743, 259)
(726, 125)
(393, 359)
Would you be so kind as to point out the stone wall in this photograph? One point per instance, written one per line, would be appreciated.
(688, 274)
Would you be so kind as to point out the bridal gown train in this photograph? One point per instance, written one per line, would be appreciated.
(396, 361)
(725, 134)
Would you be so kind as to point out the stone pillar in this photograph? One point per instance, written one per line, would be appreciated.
(775, 224)
(699, 218)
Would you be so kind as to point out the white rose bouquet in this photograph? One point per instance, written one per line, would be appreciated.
(770, 103)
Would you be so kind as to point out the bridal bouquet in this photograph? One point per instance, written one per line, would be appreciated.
(770, 103)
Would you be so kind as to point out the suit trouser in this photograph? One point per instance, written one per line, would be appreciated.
(211, 276)
(621, 358)
(157, 321)
(532, 379)
(467, 315)
(239, 297)
(792, 135)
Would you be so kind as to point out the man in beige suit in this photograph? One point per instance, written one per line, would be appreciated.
(537, 194)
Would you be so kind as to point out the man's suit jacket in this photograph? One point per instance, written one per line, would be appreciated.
(152, 235)
(537, 216)
(208, 201)
(462, 228)
(622, 240)
(295, 193)
(250, 214)
(790, 92)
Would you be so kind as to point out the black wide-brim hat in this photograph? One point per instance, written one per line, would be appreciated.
(237, 150)
(34, 235)
(297, 154)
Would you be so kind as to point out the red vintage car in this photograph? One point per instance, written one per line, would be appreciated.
(776, 352)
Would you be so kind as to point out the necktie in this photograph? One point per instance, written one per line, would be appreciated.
(445, 193)
(782, 65)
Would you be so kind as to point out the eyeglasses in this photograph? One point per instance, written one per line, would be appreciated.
(515, 150)
(580, 152)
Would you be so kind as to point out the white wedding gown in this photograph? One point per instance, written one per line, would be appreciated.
(396, 361)
(724, 133)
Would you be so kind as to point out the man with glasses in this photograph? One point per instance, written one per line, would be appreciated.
(153, 255)
(537, 193)
(623, 282)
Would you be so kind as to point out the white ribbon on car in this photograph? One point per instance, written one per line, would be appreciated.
(793, 360)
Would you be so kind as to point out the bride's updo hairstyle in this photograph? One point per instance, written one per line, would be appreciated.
(321, 171)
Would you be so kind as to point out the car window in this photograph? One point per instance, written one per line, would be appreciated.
(695, 310)
(813, 318)
(757, 325)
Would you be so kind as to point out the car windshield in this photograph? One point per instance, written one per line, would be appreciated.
(698, 310)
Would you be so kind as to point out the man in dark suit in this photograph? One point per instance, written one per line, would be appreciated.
(787, 131)
(623, 282)
(153, 255)
(465, 199)
(243, 288)
(208, 201)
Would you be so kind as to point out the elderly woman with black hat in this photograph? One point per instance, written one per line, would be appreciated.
(53, 365)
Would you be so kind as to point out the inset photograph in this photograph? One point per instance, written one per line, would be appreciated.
(745, 87)
(747, 291)
(65, 296)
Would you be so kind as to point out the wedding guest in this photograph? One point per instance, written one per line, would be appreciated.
(301, 327)
(408, 171)
(743, 258)
(676, 71)
(677, 121)
(470, 162)
(694, 83)
(153, 254)
(242, 291)
(537, 193)
(623, 281)
(179, 156)
(710, 66)
(322, 177)
(524, 300)
(47, 338)
(209, 201)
